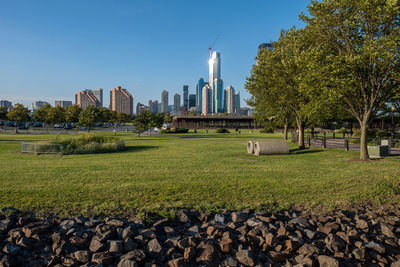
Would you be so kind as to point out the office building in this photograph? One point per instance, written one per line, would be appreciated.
(177, 103)
(164, 101)
(199, 94)
(192, 100)
(6, 104)
(229, 99)
(38, 105)
(98, 93)
(170, 108)
(236, 102)
(218, 94)
(140, 108)
(62, 103)
(85, 99)
(121, 100)
(214, 66)
(153, 105)
(186, 97)
(206, 99)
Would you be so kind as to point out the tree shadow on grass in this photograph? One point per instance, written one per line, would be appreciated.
(304, 151)
(129, 149)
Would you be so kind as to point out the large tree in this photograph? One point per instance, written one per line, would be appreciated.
(72, 113)
(359, 42)
(143, 121)
(3, 113)
(18, 114)
(56, 114)
(87, 117)
(277, 85)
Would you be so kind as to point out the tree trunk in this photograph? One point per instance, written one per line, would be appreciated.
(285, 129)
(364, 141)
(300, 129)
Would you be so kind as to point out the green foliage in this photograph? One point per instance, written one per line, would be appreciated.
(91, 144)
(56, 114)
(222, 130)
(72, 113)
(146, 120)
(268, 130)
(167, 118)
(19, 114)
(174, 131)
(87, 117)
(123, 117)
(42, 114)
(3, 113)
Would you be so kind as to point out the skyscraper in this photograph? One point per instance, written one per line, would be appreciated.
(230, 99)
(236, 102)
(214, 66)
(153, 105)
(206, 99)
(218, 94)
(6, 104)
(86, 98)
(98, 93)
(121, 100)
(199, 94)
(177, 103)
(164, 101)
(38, 105)
(192, 100)
(140, 108)
(186, 97)
(62, 103)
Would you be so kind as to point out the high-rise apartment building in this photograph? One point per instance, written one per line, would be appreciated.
(230, 99)
(199, 94)
(38, 105)
(177, 103)
(216, 83)
(218, 94)
(86, 98)
(186, 97)
(164, 101)
(62, 103)
(121, 100)
(140, 108)
(206, 99)
(6, 104)
(214, 66)
(153, 105)
(98, 93)
(192, 100)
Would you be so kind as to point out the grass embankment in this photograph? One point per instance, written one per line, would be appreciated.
(160, 174)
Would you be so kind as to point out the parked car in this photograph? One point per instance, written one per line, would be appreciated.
(38, 124)
(68, 126)
(23, 126)
(107, 124)
(98, 124)
(11, 124)
(83, 128)
(58, 125)
(1, 123)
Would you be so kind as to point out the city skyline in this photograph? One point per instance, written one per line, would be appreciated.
(50, 50)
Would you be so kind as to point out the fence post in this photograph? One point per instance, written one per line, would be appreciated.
(309, 140)
(346, 144)
(324, 142)
(334, 134)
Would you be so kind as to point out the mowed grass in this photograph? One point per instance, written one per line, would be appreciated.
(162, 174)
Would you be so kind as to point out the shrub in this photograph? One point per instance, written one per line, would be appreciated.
(173, 131)
(267, 130)
(92, 144)
(222, 130)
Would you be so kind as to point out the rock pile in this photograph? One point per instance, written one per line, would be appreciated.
(289, 238)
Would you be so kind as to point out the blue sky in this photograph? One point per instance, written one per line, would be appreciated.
(49, 50)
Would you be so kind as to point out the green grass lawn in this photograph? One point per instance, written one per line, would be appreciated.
(162, 173)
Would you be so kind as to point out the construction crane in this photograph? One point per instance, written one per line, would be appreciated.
(210, 47)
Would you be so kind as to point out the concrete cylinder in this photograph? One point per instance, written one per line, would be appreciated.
(250, 147)
(271, 148)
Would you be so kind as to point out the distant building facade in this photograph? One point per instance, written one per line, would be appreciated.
(140, 108)
(6, 104)
(236, 102)
(199, 94)
(206, 100)
(86, 98)
(121, 100)
(98, 93)
(192, 101)
(164, 101)
(230, 99)
(153, 105)
(62, 103)
(38, 105)
(186, 97)
(177, 103)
